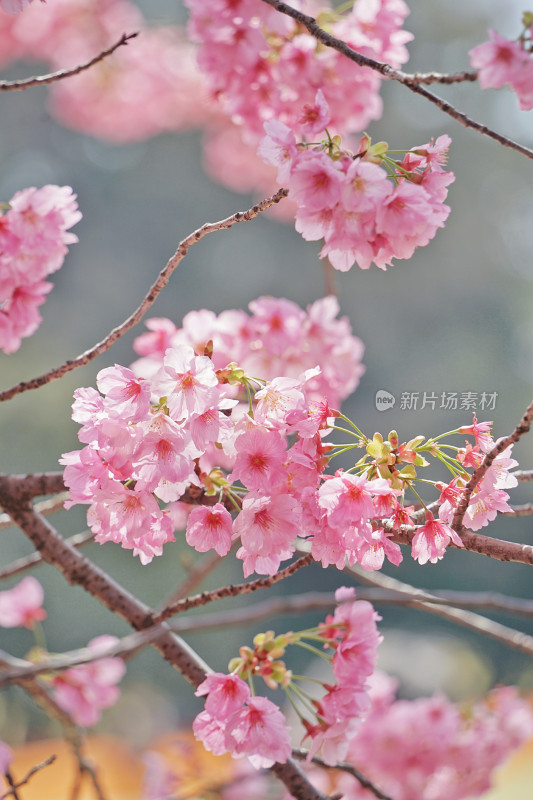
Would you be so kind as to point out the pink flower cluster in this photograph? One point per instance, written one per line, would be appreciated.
(427, 748)
(33, 244)
(279, 338)
(366, 212)
(264, 65)
(138, 454)
(502, 62)
(234, 721)
(489, 497)
(352, 633)
(85, 690)
(22, 605)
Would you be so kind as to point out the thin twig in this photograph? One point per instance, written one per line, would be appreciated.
(130, 645)
(40, 695)
(519, 511)
(44, 507)
(443, 77)
(78, 570)
(395, 74)
(196, 574)
(302, 755)
(42, 80)
(231, 590)
(468, 619)
(147, 302)
(523, 475)
(28, 562)
(24, 781)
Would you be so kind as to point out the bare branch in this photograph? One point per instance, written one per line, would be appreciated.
(523, 475)
(42, 80)
(153, 293)
(37, 484)
(322, 601)
(27, 562)
(498, 549)
(44, 507)
(78, 570)
(443, 78)
(394, 74)
(345, 767)
(27, 778)
(231, 590)
(474, 622)
(519, 511)
(196, 574)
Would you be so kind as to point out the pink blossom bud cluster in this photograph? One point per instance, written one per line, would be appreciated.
(501, 62)
(278, 338)
(264, 65)
(33, 244)
(367, 208)
(430, 748)
(234, 721)
(22, 605)
(85, 690)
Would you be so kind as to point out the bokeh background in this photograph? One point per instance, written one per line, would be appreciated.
(455, 318)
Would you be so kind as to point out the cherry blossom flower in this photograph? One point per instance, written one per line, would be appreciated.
(85, 690)
(225, 693)
(259, 461)
(33, 244)
(267, 527)
(188, 382)
(501, 62)
(235, 721)
(373, 548)
(126, 395)
(431, 540)
(210, 528)
(22, 605)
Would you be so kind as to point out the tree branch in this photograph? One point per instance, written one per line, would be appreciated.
(410, 81)
(232, 590)
(42, 80)
(345, 767)
(153, 293)
(28, 562)
(474, 622)
(78, 570)
(44, 507)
